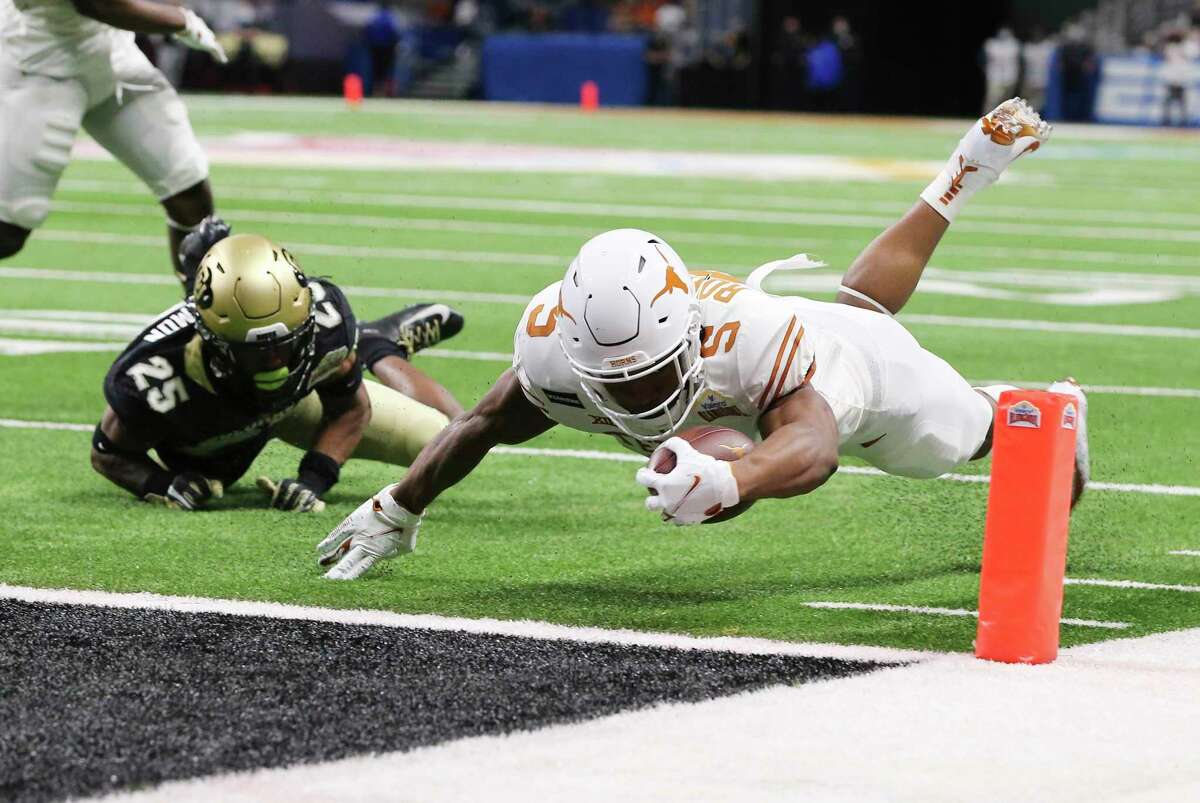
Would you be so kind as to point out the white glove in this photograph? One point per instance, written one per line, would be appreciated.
(698, 488)
(198, 36)
(993, 143)
(380, 528)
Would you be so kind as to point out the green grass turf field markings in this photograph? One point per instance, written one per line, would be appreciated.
(1188, 553)
(885, 608)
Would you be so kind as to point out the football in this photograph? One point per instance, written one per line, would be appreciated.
(722, 443)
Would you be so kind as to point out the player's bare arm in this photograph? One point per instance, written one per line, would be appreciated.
(502, 416)
(143, 16)
(886, 273)
(346, 418)
(121, 456)
(798, 453)
(344, 421)
(386, 525)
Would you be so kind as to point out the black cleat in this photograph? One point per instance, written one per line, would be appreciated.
(195, 245)
(414, 328)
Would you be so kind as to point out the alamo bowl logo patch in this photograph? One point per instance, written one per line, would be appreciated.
(1069, 416)
(1024, 414)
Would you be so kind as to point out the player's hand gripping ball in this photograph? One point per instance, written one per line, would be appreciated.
(689, 477)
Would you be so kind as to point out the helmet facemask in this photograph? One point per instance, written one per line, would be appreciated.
(654, 420)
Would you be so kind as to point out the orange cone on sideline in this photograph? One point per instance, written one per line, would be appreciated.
(1025, 540)
(589, 95)
(352, 89)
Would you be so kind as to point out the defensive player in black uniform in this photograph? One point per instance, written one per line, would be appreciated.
(259, 351)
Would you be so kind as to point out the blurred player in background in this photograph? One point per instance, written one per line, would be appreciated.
(261, 351)
(631, 345)
(66, 64)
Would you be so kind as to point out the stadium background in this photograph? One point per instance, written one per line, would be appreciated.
(848, 55)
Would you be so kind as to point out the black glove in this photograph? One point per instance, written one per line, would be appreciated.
(291, 495)
(187, 491)
(196, 244)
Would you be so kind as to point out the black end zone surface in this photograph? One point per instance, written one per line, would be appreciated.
(97, 699)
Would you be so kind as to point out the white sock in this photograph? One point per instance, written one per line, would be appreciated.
(953, 187)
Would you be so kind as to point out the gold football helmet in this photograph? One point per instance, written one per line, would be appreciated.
(254, 307)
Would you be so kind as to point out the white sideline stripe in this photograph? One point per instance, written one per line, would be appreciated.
(1194, 553)
(741, 200)
(867, 606)
(1135, 584)
(523, 627)
(609, 210)
(564, 231)
(954, 321)
(862, 471)
(16, 423)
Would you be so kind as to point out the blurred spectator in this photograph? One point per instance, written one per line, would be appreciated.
(824, 74)
(1002, 64)
(850, 93)
(662, 62)
(1175, 73)
(584, 16)
(1035, 68)
(1077, 65)
(789, 67)
(383, 35)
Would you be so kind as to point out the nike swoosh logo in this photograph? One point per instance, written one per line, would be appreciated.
(682, 499)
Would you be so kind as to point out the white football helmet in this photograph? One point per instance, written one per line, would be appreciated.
(629, 324)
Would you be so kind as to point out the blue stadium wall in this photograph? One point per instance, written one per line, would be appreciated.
(550, 68)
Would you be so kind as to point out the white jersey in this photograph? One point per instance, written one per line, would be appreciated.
(51, 38)
(755, 351)
(897, 405)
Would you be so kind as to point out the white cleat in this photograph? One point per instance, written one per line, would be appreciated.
(1083, 466)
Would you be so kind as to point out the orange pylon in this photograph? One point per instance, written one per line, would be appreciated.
(1025, 539)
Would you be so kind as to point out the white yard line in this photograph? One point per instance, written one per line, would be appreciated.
(626, 457)
(524, 627)
(880, 607)
(635, 212)
(1191, 553)
(797, 202)
(1131, 584)
(579, 233)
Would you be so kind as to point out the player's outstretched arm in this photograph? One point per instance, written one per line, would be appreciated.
(799, 451)
(144, 16)
(120, 456)
(386, 525)
(885, 274)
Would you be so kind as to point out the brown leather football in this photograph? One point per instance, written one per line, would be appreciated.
(722, 443)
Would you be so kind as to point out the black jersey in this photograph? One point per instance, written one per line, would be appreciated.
(166, 391)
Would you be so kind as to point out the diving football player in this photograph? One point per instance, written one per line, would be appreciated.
(631, 345)
(71, 64)
(262, 351)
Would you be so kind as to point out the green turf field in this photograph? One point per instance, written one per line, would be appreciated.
(1088, 262)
